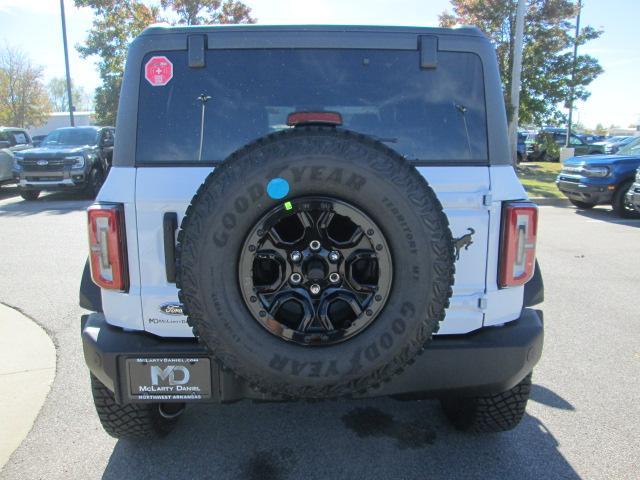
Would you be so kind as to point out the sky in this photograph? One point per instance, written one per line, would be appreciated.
(34, 26)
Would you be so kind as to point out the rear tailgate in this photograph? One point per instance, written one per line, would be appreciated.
(161, 190)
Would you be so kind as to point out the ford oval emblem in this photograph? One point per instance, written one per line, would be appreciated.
(172, 308)
(43, 162)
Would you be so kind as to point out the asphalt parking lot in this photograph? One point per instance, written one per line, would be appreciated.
(583, 420)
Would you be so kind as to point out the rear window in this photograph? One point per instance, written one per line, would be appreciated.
(428, 115)
(14, 137)
(72, 137)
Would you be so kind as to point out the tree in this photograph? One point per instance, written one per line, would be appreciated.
(23, 99)
(200, 12)
(117, 22)
(57, 88)
(600, 130)
(547, 59)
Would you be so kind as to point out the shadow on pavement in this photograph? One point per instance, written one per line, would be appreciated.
(57, 203)
(367, 439)
(549, 398)
(605, 214)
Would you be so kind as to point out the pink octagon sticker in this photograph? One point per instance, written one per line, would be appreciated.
(158, 71)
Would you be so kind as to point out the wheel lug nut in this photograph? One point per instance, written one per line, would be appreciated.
(334, 277)
(296, 256)
(315, 245)
(295, 278)
(315, 289)
(334, 256)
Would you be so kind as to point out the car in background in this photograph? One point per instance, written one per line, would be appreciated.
(530, 142)
(71, 158)
(591, 139)
(633, 195)
(613, 147)
(602, 179)
(522, 147)
(550, 139)
(613, 144)
(11, 140)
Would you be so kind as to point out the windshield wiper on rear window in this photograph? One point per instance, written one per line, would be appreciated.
(463, 110)
(203, 98)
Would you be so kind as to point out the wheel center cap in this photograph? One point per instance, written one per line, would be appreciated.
(315, 269)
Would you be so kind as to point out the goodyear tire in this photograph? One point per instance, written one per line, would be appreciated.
(412, 239)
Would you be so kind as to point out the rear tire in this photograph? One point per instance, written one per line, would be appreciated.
(30, 195)
(133, 420)
(490, 413)
(582, 205)
(620, 205)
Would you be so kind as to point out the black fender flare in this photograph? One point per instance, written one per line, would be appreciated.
(534, 288)
(90, 295)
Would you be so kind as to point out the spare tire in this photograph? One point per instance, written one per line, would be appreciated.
(315, 263)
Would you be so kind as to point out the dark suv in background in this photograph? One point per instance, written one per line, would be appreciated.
(72, 158)
(522, 147)
(549, 141)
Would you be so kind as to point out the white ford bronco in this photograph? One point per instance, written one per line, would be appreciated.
(310, 213)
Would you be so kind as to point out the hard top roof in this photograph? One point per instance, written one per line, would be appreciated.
(163, 29)
(82, 127)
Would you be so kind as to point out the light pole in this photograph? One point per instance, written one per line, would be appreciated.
(516, 73)
(573, 74)
(66, 62)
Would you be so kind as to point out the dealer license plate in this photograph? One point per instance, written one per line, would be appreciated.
(162, 379)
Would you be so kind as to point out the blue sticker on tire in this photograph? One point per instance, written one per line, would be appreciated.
(277, 188)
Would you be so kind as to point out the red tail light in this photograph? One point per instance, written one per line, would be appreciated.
(107, 246)
(320, 118)
(518, 243)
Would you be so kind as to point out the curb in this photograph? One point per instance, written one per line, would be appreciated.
(27, 370)
(555, 202)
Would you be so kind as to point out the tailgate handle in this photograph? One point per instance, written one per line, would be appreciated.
(169, 227)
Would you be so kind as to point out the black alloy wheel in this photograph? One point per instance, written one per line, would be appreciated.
(315, 271)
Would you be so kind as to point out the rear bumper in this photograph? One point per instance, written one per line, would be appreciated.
(581, 192)
(491, 360)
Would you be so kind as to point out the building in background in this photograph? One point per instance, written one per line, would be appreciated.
(612, 132)
(61, 119)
